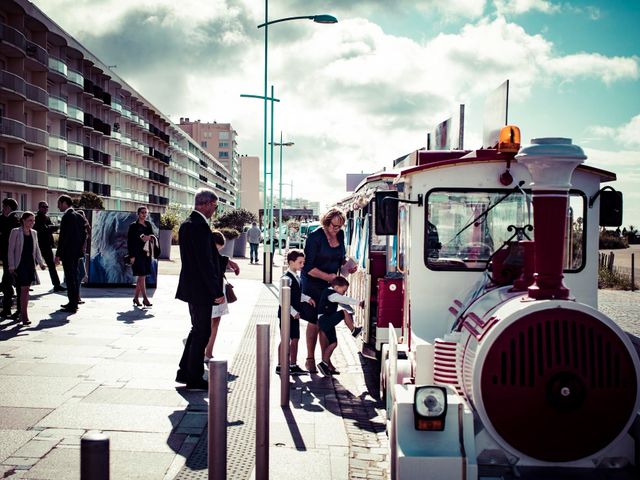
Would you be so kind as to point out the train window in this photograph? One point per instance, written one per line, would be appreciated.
(464, 228)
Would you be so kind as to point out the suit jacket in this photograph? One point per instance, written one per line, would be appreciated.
(72, 236)
(201, 275)
(45, 228)
(7, 224)
(16, 244)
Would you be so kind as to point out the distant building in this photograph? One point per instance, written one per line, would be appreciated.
(70, 124)
(219, 139)
(249, 191)
(353, 179)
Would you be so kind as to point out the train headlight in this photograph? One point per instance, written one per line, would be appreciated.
(430, 407)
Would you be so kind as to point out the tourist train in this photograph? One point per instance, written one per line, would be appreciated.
(480, 268)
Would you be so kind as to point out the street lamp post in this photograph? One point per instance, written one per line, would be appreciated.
(318, 19)
(280, 144)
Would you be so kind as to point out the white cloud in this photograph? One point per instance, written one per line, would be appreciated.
(518, 7)
(609, 69)
(627, 135)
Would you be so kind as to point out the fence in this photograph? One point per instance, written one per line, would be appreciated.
(607, 261)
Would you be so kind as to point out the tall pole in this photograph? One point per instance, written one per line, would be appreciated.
(280, 203)
(267, 252)
(271, 189)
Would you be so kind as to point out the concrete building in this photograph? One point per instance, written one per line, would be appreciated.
(219, 139)
(249, 191)
(69, 124)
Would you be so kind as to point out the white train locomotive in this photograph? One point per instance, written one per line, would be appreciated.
(496, 362)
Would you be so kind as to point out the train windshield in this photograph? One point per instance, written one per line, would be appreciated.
(464, 228)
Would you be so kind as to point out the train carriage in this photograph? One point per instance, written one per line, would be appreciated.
(500, 364)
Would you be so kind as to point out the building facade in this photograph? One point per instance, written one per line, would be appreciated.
(249, 191)
(219, 139)
(69, 124)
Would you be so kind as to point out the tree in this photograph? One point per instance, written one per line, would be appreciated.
(88, 201)
(235, 219)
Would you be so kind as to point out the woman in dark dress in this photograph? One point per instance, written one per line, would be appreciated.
(24, 254)
(140, 232)
(324, 255)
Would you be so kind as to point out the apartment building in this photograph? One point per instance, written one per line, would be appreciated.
(69, 124)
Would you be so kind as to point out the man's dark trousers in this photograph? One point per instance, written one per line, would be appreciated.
(7, 287)
(70, 267)
(191, 361)
(47, 255)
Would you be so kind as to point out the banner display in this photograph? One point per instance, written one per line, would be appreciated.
(108, 248)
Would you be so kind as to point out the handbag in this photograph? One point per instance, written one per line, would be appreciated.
(228, 292)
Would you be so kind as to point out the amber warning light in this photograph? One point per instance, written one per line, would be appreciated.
(509, 140)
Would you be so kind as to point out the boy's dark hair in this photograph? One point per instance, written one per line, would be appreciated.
(339, 282)
(218, 237)
(294, 254)
(11, 203)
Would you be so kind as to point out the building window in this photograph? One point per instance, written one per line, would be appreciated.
(223, 154)
(203, 144)
(223, 136)
(223, 145)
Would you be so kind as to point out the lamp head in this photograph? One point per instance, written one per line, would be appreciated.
(324, 19)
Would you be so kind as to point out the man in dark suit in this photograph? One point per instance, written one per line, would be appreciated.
(199, 286)
(45, 228)
(8, 221)
(70, 242)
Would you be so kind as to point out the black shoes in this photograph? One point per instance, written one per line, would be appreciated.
(324, 369)
(181, 377)
(293, 370)
(356, 331)
(15, 316)
(59, 288)
(198, 386)
(69, 308)
(5, 313)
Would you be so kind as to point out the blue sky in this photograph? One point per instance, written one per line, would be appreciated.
(360, 93)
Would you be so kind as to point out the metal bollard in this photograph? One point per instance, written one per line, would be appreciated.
(217, 458)
(633, 272)
(263, 339)
(94, 457)
(285, 333)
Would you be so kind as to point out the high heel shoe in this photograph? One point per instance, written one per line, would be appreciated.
(310, 365)
(147, 303)
(136, 303)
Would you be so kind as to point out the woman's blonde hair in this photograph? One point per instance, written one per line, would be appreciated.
(333, 212)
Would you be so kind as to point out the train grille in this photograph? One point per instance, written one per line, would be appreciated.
(559, 385)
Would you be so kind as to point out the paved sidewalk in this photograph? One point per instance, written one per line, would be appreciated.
(110, 368)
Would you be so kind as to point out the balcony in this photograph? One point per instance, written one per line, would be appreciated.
(13, 37)
(75, 149)
(57, 65)
(117, 106)
(36, 136)
(37, 95)
(58, 143)
(58, 104)
(11, 128)
(75, 114)
(88, 86)
(12, 83)
(37, 54)
(19, 174)
(115, 134)
(96, 156)
(76, 78)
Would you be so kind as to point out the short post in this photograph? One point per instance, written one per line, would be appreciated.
(633, 272)
(285, 333)
(217, 458)
(263, 338)
(94, 457)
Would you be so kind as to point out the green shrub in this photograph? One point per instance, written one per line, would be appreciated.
(235, 219)
(612, 241)
(613, 279)
(229, 233)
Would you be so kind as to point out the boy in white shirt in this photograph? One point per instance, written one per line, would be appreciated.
(329, 316)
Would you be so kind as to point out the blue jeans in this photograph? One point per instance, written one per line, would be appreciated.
(253, 252)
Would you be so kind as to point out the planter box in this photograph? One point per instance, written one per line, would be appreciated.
(165, 244)
(227, 250)
(240, 248)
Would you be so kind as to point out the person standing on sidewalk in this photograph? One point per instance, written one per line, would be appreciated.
(8, 221)
(70, 242)
(138, 235)
(200, 285)
(45, 228)
(23, 256)
(253, 237)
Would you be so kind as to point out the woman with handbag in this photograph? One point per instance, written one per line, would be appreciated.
(220, 309)
(23, 255)
(139, 240)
